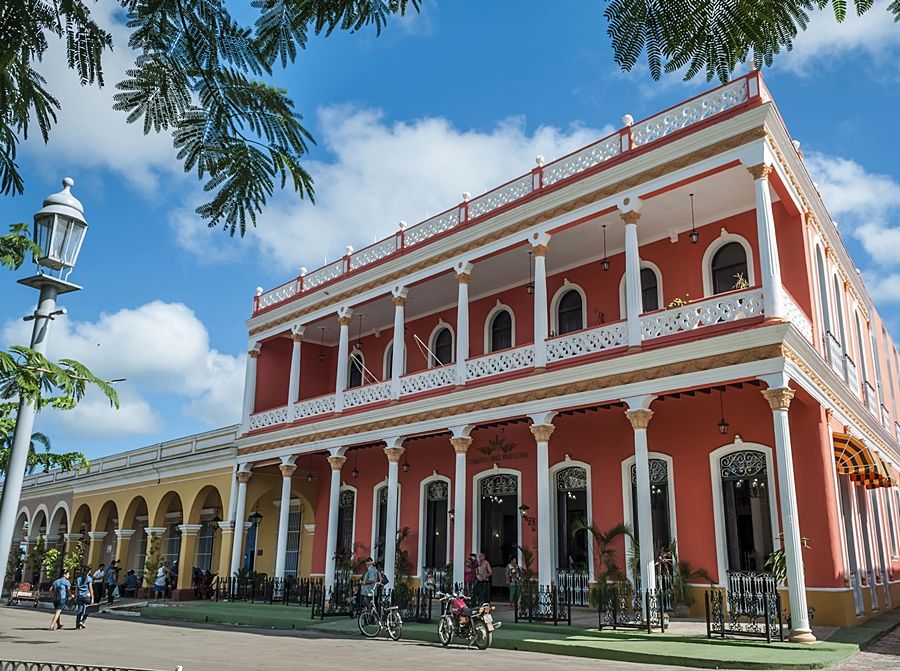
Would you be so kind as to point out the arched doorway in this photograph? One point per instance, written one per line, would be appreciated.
(107, 521)
(136, 518)
(498, 529)
(207, 512)
(170, 515)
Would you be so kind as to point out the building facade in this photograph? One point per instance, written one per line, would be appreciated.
(662, 329)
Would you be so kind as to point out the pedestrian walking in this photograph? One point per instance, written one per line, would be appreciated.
(17, 576)
(59, 590)
(469, 574)
(112, 581)
(162, 578)
(98, 578)
(84, 596)
(483, 575)
(513, 579)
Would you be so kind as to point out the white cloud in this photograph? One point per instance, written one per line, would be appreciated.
(864, 203)
(825, 40)
(161, 349)
(384, 172)
(883, 288)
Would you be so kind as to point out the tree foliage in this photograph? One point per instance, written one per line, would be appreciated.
(713, 36)
(198, 74)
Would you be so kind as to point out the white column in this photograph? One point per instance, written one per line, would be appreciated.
(769, 265)
(540, 301)
(463, 275)
(334, 502)
(344, 317)
(542, 429)
(639, 415)
(294, 380)
(243, 477)
(399, 341)
(287, 469)
(779, 399)
(393, 451)
(633, 300)
(460, 442)
(250, 385)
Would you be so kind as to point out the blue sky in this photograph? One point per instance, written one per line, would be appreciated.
(459, 98)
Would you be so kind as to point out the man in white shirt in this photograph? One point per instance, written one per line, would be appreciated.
(98, 583)
(370, 580)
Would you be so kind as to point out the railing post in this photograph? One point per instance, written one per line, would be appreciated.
(537, 174)
(626, 139)
(464, 207)
(347, 255)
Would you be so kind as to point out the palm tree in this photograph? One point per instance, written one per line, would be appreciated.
(40, 454)
(609, 573)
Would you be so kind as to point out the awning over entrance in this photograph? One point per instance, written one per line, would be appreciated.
(860, 463)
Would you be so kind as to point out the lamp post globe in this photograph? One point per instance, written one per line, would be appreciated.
(59, 229)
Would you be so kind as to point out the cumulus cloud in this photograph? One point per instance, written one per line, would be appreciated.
(384, 172)
(161, 349)
(874, 34)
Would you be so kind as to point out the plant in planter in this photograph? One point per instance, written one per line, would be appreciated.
(776, 563)
(681, 575)
(609, 573)
(679, 302)
(153, 560)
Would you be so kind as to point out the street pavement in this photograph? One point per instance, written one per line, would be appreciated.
(136, 643)
(883, 655)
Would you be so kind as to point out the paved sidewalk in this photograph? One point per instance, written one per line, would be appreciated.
(883, 655)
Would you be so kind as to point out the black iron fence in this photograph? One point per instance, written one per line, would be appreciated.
(575, 586)
(262, 589)
(750, 606)
(542, 603)
(621, 607)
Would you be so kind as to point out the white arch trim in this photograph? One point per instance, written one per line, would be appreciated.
(64, 507)
(431, 338)
(568, 463)
(386, 360)
(718, 508)
(725, 238)
(350, 488)
(566, 287)
(659, 288)
(628, 504)
(23, 511)
(374, 527)
(423, 485)
(476, 505)
(42, 508)
(497, 309)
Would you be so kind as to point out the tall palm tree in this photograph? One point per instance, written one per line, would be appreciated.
(40, 454)
(605, 554)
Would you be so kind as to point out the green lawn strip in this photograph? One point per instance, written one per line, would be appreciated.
(637, 647)
(246, 614)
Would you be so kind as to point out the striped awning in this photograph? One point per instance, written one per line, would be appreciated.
(862, 464)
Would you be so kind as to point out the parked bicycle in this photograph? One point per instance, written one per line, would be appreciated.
(375, 617)
(475, 625)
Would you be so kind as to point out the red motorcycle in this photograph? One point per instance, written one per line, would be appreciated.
(475, 625)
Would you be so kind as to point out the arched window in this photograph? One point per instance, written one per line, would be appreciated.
(501, 331)
(729, 267)
(381, 508)
(346, 513)
(571, 505)
(389, 361)
(747, 516)
(823, 290)
(659, 502)
(862, 350)
(436, 533)
(442, 347)
(570, 312)
(356, 367)
(649, 290)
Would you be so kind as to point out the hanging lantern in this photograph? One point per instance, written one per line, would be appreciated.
(695, 236)
(605, 262)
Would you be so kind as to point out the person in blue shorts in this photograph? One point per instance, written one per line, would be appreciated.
(84, 596)
(60, 592)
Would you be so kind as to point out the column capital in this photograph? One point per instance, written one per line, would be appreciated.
(779, 398)
(72, 537)
(287, 470)
(226, 526)
(297, 332)
(243, 476)
(464, 277)
(630, 217)
(336, 463)
(345, 321)
(254, 350)
(639, 417)
(189, 529)
(542, 432)
(760, 170)
(393, 454)
(399, 301)
(461, 444)
(97, 535)
(399, 294)
(154, 531)
(345, 315)
(124, 533)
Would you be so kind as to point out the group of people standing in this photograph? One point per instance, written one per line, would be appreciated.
(89, 588)
(478, 577)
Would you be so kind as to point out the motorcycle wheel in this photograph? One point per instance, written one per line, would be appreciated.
(369, 626)
(445, 630)
(483, 637)
(394, 625)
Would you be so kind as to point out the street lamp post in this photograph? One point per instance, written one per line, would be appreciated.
(59, 229)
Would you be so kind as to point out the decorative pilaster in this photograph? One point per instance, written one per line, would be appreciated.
(540, 245)
(779, 399)
(640, 419)
(542, 433)
(95, 549)
(123, 544)
(345, 315)
(460, 445)
(226, 532)
(393, 452)
(243, 477)
(287, 469)
(297, 333)
(769, 264)
(633, 300)
(398, 347)
(336, 463)
(250, 385)
(463, 275)
(187, 552)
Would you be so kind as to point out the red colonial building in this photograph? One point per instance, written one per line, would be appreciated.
(662, 329)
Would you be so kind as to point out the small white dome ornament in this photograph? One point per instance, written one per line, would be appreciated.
(466, 196)
(259, 291)
(303, 271)
(349, 250)
(402, 225)
(627, 120)
(539, 160)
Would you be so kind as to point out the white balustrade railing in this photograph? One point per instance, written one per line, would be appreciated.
(320, 405)
(497, 198)
(371, 393)
(433, 378)
(798, 318)
(508, 360)
(709, 312)
(269, 418)
(852, 375)
(688, 113)
(835, 355)
(871, 398)
(587, 341)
